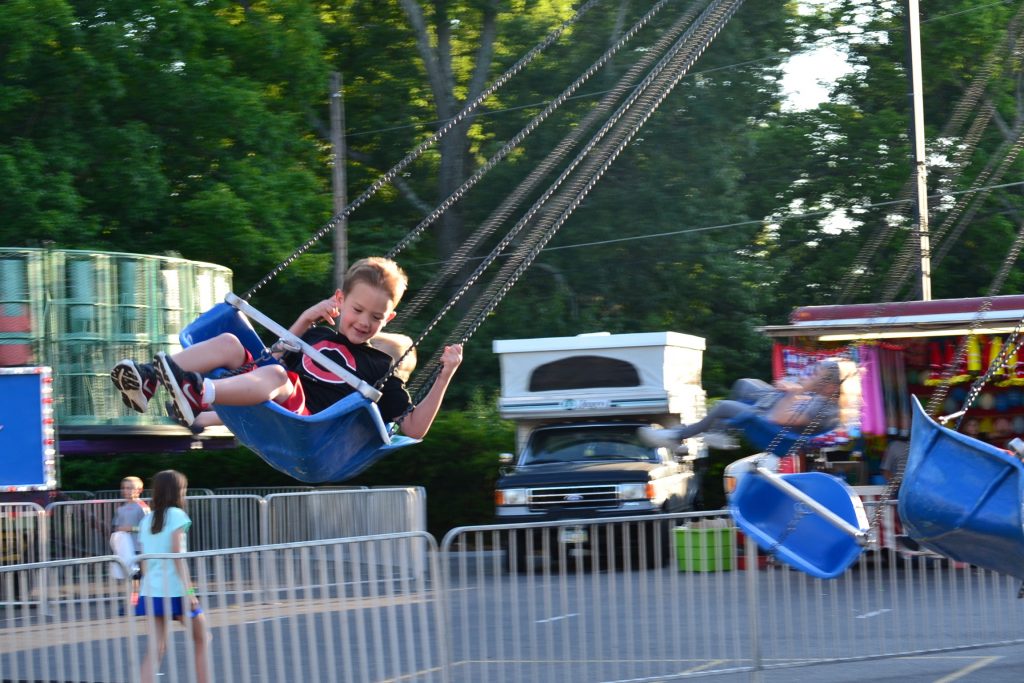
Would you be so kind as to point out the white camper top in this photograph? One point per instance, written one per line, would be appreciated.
(601, 375)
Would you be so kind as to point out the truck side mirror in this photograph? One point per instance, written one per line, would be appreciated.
(505, 458)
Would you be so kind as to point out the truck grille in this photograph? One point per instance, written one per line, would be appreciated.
(573, 498)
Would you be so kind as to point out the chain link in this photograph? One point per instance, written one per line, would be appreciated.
(647, 96)
(457, 261)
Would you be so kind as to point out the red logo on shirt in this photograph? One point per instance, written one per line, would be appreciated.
(339, 353)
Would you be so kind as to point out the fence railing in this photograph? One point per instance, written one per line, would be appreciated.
(318, 611)
(82, 528)
(635, 598)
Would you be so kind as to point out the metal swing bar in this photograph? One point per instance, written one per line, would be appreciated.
(240, 304)
(860, 535)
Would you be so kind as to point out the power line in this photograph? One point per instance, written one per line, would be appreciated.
(752, 222)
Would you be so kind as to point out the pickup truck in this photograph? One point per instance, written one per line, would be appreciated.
(577, 403)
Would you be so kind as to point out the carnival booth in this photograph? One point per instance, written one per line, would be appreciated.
(907, 350)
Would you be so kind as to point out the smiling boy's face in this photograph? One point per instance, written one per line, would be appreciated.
(364, 311)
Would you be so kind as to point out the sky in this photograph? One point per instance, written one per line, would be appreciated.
(809, 75)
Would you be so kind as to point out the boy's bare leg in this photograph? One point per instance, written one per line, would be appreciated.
(222, 351)
(265, 383)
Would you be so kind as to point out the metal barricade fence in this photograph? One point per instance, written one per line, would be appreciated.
(320, 514)
(69, 624)
(268, 490)
(581, 601)
(83, 528)
(316, 611)
(220, 522)
(652, 598)
(23, 539)
(323, 514)
(146, 493)
(22, 533)
(590, 601)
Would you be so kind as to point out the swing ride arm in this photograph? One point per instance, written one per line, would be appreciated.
(365, 389)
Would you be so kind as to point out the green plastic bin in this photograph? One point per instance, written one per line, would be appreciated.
(705, 550)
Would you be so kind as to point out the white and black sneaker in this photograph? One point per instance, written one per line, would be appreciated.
(137, 383)
(660, 438)
(185, 388)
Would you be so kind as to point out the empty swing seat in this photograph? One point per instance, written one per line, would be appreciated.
(793, 532)
(962, 497)
(332, 445)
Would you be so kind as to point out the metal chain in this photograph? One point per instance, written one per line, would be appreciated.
(554, 104)
(450, 125)
(457, 261)
(1012, 345)
(938, 397)
(696, 41)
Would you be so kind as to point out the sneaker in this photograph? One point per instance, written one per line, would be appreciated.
(195, 427)
(137, 383)
(185, 388)
(721, 441)
(660, 438)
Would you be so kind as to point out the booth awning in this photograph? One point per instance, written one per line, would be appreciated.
(902, 319)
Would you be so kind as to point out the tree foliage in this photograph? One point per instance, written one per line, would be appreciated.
(201, 128)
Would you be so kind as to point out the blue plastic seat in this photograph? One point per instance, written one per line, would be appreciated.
(793, 532)
(962, 497)
(332, 445)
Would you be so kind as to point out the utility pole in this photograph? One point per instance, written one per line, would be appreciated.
(917, 133)
(338, 178)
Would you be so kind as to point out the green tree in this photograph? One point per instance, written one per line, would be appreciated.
(162, 127)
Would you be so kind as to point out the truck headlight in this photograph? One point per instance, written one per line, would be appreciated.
(512, 496)
(636, 491)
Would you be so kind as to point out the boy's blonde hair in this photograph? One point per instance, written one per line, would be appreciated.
(395, 345)
(134, 481)
(379, 272)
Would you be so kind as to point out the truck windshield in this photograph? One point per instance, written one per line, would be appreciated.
(574, 444)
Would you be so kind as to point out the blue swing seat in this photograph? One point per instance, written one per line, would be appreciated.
(760, 432)
(792, 531)
(332, 445)
(962, 497)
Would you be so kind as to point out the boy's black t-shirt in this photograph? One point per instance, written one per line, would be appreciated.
(324, 388)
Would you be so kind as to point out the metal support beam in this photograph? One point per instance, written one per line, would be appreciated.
(917, 135)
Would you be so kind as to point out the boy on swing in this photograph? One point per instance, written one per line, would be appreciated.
(366, 302)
